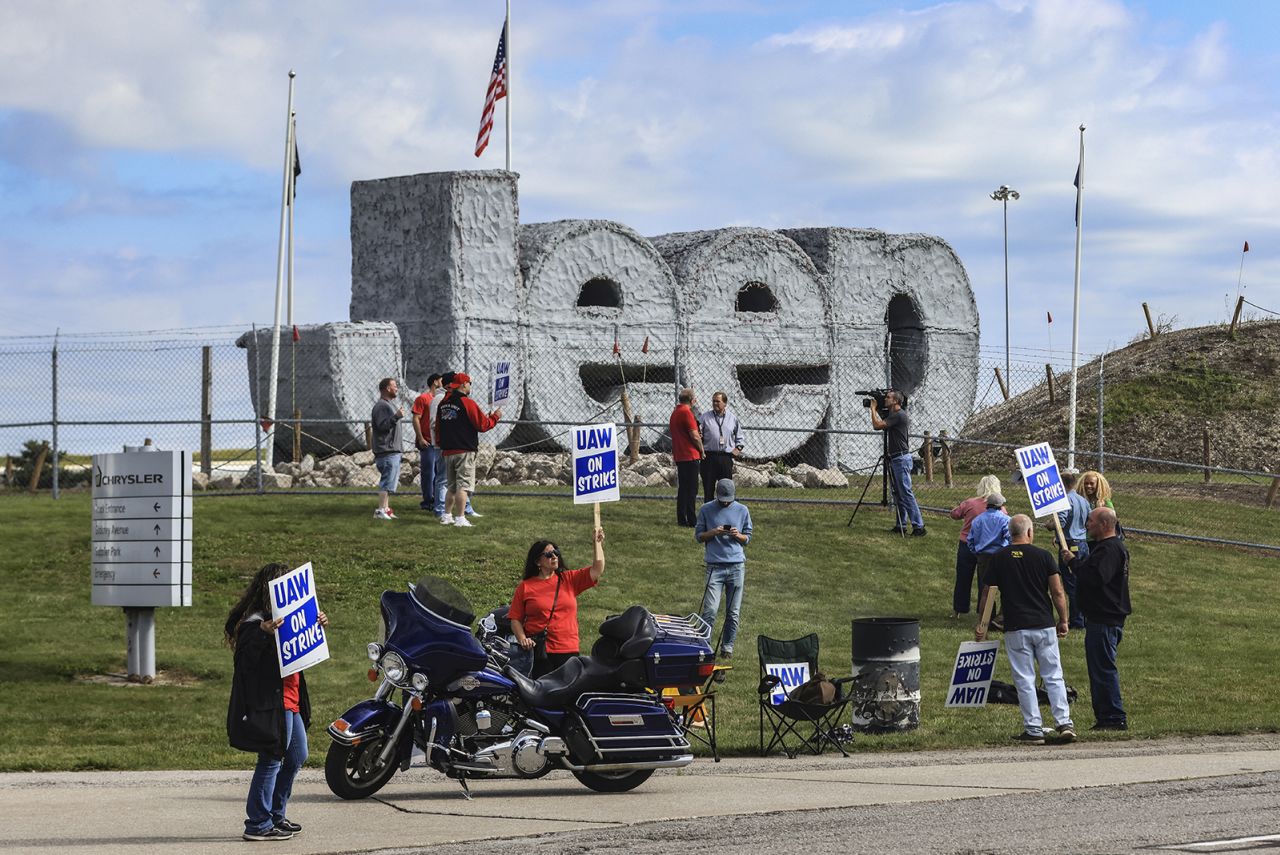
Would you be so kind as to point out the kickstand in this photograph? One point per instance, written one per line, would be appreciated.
(466, 791)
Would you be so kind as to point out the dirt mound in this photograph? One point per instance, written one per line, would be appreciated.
(1158, 396)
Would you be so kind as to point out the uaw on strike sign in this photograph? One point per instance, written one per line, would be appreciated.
(300, 640)
(1044, 484)
(595, 464)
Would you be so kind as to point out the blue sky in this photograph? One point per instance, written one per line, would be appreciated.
(140, 142)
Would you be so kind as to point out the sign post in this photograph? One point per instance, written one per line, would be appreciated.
(300, 640)
(141, 546)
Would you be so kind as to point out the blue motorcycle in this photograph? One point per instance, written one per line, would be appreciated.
(454, 697)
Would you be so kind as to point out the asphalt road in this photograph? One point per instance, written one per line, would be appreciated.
(1109, 796)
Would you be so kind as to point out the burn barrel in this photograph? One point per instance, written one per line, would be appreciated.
(886, 670)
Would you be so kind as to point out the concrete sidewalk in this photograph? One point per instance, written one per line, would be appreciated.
(198, 812)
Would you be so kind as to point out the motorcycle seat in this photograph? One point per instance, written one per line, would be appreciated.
(579, 675)
(626, 636)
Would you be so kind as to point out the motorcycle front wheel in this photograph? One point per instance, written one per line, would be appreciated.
(354, 771)
(613, 782)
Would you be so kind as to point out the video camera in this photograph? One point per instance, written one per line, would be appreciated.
(879, 394)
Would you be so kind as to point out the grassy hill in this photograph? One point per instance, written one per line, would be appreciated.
(1158, 395)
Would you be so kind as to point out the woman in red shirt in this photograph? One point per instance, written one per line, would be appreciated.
(546, 601)
(966, 561)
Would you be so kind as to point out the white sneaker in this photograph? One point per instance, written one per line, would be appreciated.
(380, 514)
(463, 522)
(446, 519)
(475, 514)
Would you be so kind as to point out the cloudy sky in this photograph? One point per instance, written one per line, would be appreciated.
(141, 142)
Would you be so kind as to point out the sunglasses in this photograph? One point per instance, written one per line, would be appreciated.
(551, 554)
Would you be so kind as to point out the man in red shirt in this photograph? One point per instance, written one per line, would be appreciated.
(686, 451)
(459, 422)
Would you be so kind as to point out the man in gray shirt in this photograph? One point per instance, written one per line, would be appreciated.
(387, 444)
(722, 441)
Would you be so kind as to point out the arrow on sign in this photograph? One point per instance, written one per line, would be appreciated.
(157, 552)
(157, 529)
(157, 507)
(155, 574)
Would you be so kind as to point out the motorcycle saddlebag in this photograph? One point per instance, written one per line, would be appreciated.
(624, 729)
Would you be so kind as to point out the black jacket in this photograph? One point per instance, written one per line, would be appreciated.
(1102, 583)
(255, 714)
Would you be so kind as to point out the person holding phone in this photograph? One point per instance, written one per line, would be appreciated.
(724, 528)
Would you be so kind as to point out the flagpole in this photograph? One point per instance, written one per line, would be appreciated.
(1240, 278)
(1075, 311)
(280, 263)
(293, 199)
(507, 38)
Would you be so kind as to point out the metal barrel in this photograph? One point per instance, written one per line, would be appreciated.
(886, 668)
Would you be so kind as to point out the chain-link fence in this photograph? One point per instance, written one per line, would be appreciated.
(207, 390)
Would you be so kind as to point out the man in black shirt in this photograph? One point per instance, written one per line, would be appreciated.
(1102, 587)
(1027, 578)
(897, 424)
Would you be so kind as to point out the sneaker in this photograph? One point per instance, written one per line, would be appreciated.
(1066, 733)
(446, 519)
(462, 522)
(475, 514)
(276, 833)
(291, 827)
(919, 532)
(391, 515)
(726, 653)
(897, 530)
(1109, 726)
(1029, 738)
(380, 514)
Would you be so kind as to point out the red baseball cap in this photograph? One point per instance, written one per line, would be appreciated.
(458, 379)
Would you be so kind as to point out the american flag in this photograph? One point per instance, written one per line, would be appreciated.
(497, 89)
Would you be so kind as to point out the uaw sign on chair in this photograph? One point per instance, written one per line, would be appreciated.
(141, 546)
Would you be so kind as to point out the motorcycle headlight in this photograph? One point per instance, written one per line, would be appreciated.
(393, 666)
(375, 650)
(420, 681)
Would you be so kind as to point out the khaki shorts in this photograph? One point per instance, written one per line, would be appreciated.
(461, 471)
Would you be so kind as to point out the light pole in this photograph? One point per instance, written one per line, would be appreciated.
(1003, 194)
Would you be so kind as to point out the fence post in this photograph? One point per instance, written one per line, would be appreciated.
(1004, 388)
(927, 455)
(1048, 373)
(206, 410)
(946, 458)
(1271, 493)
(297, 436)
(1235, 318)
(1102, 460)
(40, 459)
(1150, 326)
(1208, 473)
(55, 416)
(368, 436)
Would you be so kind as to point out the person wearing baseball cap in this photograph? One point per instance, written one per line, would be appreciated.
(459, 422)
(724, 528)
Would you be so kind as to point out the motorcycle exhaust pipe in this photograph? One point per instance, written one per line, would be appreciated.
(675, 763)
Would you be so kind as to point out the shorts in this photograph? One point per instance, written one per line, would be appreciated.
(389, 470)
(461, 469)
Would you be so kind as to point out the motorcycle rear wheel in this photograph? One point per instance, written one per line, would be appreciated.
(613, 782)
(353, 771)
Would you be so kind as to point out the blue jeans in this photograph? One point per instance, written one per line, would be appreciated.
(966, 564)
(1100, 644)
(1076, 618)
(427, 459)
(903, 498)
(272, 782)
(726, 578)
(388, 466)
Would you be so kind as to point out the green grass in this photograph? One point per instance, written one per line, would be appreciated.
(1197, 657)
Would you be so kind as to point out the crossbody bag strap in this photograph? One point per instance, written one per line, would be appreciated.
(554, 600)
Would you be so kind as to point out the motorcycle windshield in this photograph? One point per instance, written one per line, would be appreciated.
(424, 630)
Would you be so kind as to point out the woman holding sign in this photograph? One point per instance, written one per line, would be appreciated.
(268, 714)
(544, 609)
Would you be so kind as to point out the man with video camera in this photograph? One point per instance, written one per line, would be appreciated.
(897, 424)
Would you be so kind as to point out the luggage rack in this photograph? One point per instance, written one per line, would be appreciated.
(691, 627)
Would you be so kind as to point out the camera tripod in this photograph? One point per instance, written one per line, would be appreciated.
(883, 465)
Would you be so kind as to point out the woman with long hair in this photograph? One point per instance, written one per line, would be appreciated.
(267, 714)
(966, 561)
(544, 608)
(1094, 487)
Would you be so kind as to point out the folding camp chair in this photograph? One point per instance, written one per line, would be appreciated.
(795, 725)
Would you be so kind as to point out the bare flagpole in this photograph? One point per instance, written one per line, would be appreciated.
(290, 170)
(507, 39)
(1075, 308)
(269, 440)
